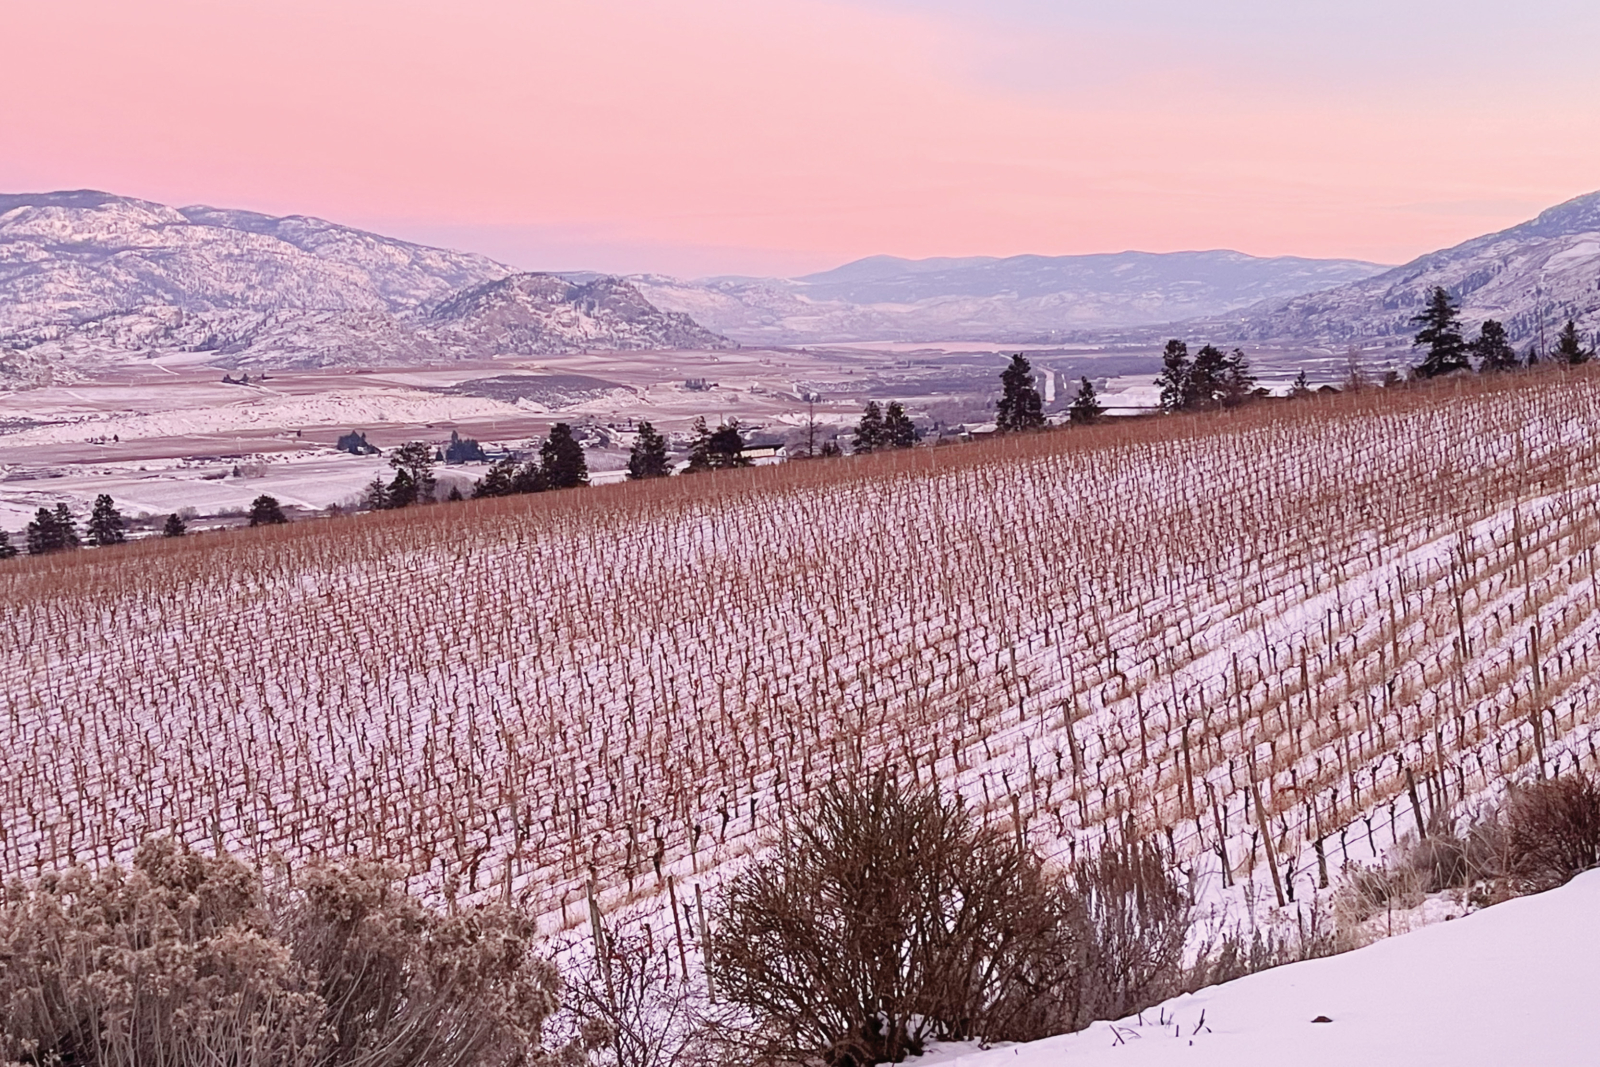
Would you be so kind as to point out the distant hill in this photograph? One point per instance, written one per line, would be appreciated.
(1541, 272)
(87, 277)
(1016, 298)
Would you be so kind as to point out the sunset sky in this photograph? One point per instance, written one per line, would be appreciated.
(780, 136)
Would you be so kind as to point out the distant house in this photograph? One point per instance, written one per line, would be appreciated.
(765, 455)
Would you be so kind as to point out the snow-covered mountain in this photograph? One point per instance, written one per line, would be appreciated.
(1535, 275)
(1020, 297)
(87, 277)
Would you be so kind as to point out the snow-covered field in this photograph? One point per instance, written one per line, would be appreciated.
(1514, 984)
(1243, 635)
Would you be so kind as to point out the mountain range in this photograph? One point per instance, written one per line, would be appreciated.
(1532, 277)
(1018, 298)
(87, 277)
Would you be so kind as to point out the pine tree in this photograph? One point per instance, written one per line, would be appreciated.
(726, 447)
(1203, 388)
(1020, 407)
(402, 492)
(1086, 408)
(870, 434)
(1301, 387)
(463, 450)
(175, 526)
(266, 511)
(1238, 384)
(898, 429)
(415, 460)
(699, 446)
(1441, 332)
(376, 497)
(105, 523)
(648, 457)
(1493, 352)
(66, 528)
(529, 478)
(7, 549)
(496, 481)
(561, 458)
(1569, 346)
(455, 494)
(43, 536)
(1174, 377)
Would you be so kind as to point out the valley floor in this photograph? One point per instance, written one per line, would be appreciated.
(1512, 984)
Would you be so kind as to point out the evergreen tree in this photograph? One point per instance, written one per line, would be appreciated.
(648, 457)
(266, 511)
(1086, 408)
(105, 523)
(402, 492)
(699, 446)
(415, 460)
(870, 434)
(529, 478)
(1238, 384)
(1493, 352)
(1569, 346)
(562, 460)
(1441, 332)
(725, 447)
(898, 429)
(1204, 387)
(175, 526)
(66, 528)
(455, 494)
(463, 450)
(1020, 407)
(1301, 387)
(497, 480)
(7, 549)
(377, 496)
(1174, 377)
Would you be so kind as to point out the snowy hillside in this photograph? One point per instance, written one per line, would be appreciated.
(87, 278)
(887, 298)
(1514, 984)
(1539, 273)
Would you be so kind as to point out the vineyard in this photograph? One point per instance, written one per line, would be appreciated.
(1276, 638)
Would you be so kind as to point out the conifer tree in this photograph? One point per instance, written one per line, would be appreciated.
(1238, 384)
(402, 492)
(266, 511)
(1441, 332)
(455, 494)
(1492, 350)
(376, 497)
(870, 434)
(898, 429)
(1569, 346)
(105, 523)
(529, 478)
(7, 549)
(497, 480)
(175, 526)
(562, 460)
(415, 460)
(726, 446)
(648, 457)
(1204, 385)
(1020, 407)
(1174, 377)
(43, 536)
(1086, 408)
(699, 446)
(66, 527)
(1301, 387)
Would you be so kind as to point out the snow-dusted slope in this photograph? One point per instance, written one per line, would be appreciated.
(87, 277)
(1514, 984)
(1542, 272)
(886, 298)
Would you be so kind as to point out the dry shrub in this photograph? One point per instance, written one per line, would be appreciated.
(171, 963)
(888, 917)
(1137, 922)
(632, 1007)
(1553, 829)
(184, 961)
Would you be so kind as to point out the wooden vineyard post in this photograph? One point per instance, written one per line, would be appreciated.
(677, 924)
(1266, 839)
(705, 944)
(1416, 806)
(1538, 686)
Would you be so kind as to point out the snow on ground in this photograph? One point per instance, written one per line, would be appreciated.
(1513, 984)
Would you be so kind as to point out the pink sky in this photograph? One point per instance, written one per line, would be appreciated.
(779, 136)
